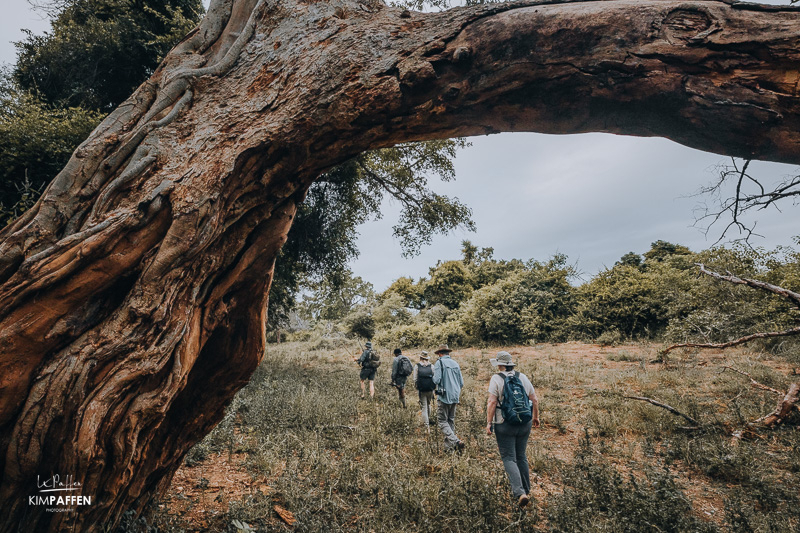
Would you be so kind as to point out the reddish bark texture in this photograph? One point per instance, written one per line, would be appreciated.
(133, 295)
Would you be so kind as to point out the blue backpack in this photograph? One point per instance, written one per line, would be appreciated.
(516, 407)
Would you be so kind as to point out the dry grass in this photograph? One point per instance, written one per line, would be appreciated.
(300, 439)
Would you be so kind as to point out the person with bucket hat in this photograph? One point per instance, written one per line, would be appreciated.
(423, 380)
(448, 380)
(369, 362)
(512, 409)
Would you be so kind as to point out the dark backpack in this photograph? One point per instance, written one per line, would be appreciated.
(425, 378)
(404, 367)
(372, 360)
(515, 405)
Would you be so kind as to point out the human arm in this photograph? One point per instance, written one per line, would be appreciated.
(491, 407)
(534, 409)
(437, 373)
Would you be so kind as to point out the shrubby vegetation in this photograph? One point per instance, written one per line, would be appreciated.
(658, 295)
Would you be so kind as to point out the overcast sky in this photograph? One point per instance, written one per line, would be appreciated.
(593, 197)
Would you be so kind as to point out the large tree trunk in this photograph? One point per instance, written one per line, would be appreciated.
(133, 295)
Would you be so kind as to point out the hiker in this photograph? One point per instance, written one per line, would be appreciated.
(423, 380)
(511, 411)
(448, 380)
(369, 362)
(401, 369)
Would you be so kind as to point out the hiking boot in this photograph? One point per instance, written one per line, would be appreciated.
(460, 446)
(524, 500)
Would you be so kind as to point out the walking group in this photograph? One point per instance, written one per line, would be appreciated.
(512, 408)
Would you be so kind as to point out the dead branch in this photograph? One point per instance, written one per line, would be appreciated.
(750, 194)
(792, 296)
(755, 384)
(786, 405)
(668, 408)
(741, 340)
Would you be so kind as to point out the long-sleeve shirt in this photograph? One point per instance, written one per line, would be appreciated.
(447, 376)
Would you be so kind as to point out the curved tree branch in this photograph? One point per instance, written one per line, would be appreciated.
(793, 297)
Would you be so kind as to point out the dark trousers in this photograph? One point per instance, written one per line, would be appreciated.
(512, 442)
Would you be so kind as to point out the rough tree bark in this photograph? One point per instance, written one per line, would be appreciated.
(132, 296)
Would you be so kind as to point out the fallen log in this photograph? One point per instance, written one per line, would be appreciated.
(785, 407)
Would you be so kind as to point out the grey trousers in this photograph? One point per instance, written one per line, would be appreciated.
(446, 415)
(426, 404)
(512, 441)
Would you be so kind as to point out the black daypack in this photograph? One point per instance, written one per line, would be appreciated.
(515, 405)
(425, 378)
(404, 367)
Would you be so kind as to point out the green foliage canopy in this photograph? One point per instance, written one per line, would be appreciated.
(659, 295)
(99, 51)
(36, 142)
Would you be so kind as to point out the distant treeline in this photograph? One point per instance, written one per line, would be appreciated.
(658, 295)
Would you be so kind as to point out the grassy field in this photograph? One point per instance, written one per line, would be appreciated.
(298, 442)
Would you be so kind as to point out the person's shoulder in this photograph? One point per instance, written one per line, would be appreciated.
(525, 380)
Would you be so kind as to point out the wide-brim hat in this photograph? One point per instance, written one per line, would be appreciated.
(424, 355)
(368, 344)
(502, 359)
(443, 348)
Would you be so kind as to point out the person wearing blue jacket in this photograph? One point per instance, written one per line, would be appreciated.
(448, 380)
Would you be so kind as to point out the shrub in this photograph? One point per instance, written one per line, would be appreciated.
(418, 334)
(598, 498)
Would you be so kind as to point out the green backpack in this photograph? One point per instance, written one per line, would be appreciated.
(372, 360)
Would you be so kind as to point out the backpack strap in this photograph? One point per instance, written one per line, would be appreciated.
(505, 382)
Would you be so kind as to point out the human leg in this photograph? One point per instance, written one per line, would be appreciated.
(451, 417)
(425, 404)
(506, 444)
(521, 446)
(444, 413)
(400, 383)
(372, 388)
